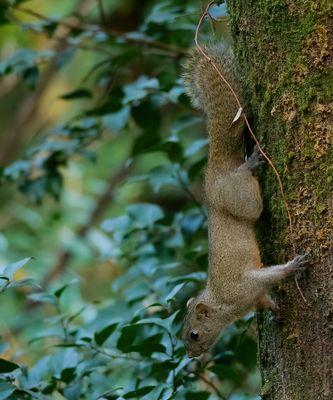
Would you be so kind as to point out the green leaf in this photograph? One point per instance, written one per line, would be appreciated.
(23, 60)
(121, 223)
(10, 269)
(102, 335)
(225, 372)
(110, 394)
(163, 323)
(16, 170)
(144, 215)
(192, 221)
(139, 392)
(115, 122)
(174, 94)
(68, 374)
(197, 395)
(172, 148)
(60, 291)
(44, 298)
(147, 346)
(7, 366)
(147, 116)
(195, 147)
(197, 168)
(164, 175)
(146, 349)
(162, 13)
(4, 282)
(161, 369)
(81, 93)
(145, 143)
(245, 348)
(24, 283)
(174, 291)
(6, 389)
(139, 89)
(64, 360)
(155, 394)
(128, 335)
(193, 277)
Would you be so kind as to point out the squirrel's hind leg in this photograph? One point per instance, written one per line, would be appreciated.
(267, 303)
(237, 193)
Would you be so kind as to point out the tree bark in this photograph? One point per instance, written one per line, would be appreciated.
(285, 56)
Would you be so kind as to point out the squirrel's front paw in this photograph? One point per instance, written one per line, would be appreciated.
(296, 264)
(255, 159)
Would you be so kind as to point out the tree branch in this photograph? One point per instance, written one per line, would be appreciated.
(140, 41)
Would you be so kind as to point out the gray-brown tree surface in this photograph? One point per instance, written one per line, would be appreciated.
(285, 56)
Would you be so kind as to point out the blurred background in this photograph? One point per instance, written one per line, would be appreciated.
(103, 226)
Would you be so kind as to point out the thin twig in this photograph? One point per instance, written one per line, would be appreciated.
(80, 46)
(141, 41)
(190, 194)
(277, 175)
(94, 68)
(299, 289)
(115, 356)
(102, 12)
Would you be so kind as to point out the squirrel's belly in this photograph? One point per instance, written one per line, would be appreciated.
(232, 244)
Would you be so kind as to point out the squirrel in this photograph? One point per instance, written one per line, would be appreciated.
(236, 283)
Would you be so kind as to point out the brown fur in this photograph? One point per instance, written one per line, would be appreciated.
(235, 284)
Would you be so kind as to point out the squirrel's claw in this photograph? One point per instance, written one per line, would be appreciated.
(253, 162)
(297, 264)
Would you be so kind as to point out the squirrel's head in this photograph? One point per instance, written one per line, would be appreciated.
(202, 326)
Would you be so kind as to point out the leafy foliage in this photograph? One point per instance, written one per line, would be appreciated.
(124, 343)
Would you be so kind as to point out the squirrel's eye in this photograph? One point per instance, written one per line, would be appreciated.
(194, 335)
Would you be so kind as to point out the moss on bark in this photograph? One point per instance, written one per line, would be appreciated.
(285, 55)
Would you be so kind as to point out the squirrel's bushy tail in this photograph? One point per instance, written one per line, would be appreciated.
(209, 93)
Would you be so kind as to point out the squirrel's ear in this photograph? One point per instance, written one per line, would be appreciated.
(189, 301)
(203, 310)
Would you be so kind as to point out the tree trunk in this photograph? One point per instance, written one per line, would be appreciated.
(285, 57)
